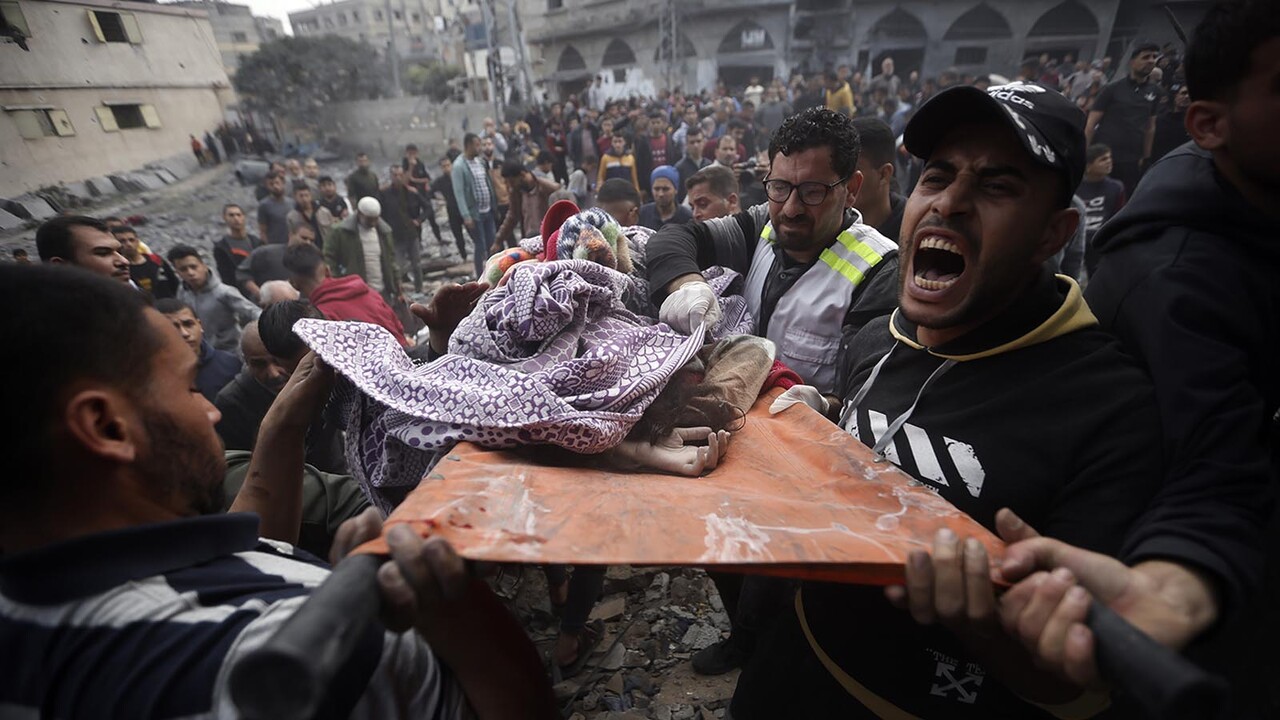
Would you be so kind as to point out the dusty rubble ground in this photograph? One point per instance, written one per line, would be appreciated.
(654, 618)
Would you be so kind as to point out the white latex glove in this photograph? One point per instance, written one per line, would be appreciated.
(691, 304)
(797, 394)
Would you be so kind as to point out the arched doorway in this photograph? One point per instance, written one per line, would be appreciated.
(572, 76)
(618, 58)
(1068, 28)
(901, 36)
(746, 51)
(974, 33)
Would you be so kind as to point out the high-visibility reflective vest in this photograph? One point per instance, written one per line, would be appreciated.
(806, 323)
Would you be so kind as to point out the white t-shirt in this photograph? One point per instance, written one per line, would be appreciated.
(372, 250)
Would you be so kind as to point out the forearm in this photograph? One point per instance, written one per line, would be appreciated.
(1148, 140)
(493, 660)
(1189, 593)
(273, 485)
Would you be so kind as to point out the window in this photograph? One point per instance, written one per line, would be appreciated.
(126, 116)
(114, 27)
(377, 15)
(37, 123)
(14, 18)
(415, 18)
(328, 22)
(342, 19)
(555, 4)
(976, 55)
(355, 16)
(397, 14)
(239, 37)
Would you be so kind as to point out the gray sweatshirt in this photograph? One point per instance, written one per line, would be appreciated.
(222, 311)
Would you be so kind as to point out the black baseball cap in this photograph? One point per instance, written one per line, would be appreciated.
(1049, 125)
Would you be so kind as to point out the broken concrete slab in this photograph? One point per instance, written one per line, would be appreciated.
(78, 190)
(610, 608)
(37, 207)
(168, 177)
(9, 221)
(100, 186)
(147, 180)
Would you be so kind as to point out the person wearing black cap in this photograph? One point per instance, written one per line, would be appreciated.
(993, 385)
(1123, 116)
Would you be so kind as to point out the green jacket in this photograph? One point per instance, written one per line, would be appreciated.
(327, 501)
(361, 184)
(344, 255)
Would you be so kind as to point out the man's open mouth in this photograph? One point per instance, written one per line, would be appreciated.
(937, 263)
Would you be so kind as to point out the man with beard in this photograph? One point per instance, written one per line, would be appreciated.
(1123, 116)
(663, 209)
(956, 387)
(1187, 281)
(84, 242)
(139, 602)
(812, 268)
(146, 269)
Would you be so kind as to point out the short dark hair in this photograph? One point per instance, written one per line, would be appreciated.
(719, 179)
(819, 127)
(323, 179)
(468, 138)
(228, 206)
(543, 158)
(19, 252)
(168, 306)
(831, 75)
(512, 168)
(1220, 53)
(181, 251)
(275, 326)
(737, 124)
(303, 259)
(410, 146)
(1096, 151)
(876, 138)
(1143, 47)
(122, 229)
(297, 185)
(53, 239)
(113, 344)
(617, 190)
(361, 154)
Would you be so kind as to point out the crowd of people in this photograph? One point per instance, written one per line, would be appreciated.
(1008, 289)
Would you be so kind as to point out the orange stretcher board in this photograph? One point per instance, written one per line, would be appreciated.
(795, 496)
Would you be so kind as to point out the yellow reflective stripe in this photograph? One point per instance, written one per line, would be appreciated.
(842, 266)
(767, 233)
(865, 251)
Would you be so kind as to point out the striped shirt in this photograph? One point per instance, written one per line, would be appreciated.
(147, 622)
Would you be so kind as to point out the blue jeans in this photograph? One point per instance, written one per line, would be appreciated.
(482, 238)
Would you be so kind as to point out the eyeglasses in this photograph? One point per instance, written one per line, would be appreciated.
(811, 193)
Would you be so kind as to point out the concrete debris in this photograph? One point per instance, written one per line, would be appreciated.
(610, 608)
(9, 221)
(700, 636)
(101, 186)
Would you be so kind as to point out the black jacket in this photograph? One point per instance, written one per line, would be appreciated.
(1188, 281)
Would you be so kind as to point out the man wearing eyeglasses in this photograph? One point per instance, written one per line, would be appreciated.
(812, 266)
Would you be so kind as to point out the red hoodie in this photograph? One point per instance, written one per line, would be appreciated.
(350, 298)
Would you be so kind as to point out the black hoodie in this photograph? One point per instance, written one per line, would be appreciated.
(1038, 410)
(1189, 280)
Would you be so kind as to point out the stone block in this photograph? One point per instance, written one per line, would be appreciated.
(145, 180)
(38, 207)
(78, 190)
(166, 176)
(9, 221)
(100, 186)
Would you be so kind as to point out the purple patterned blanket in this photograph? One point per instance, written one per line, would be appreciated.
(552, 357)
